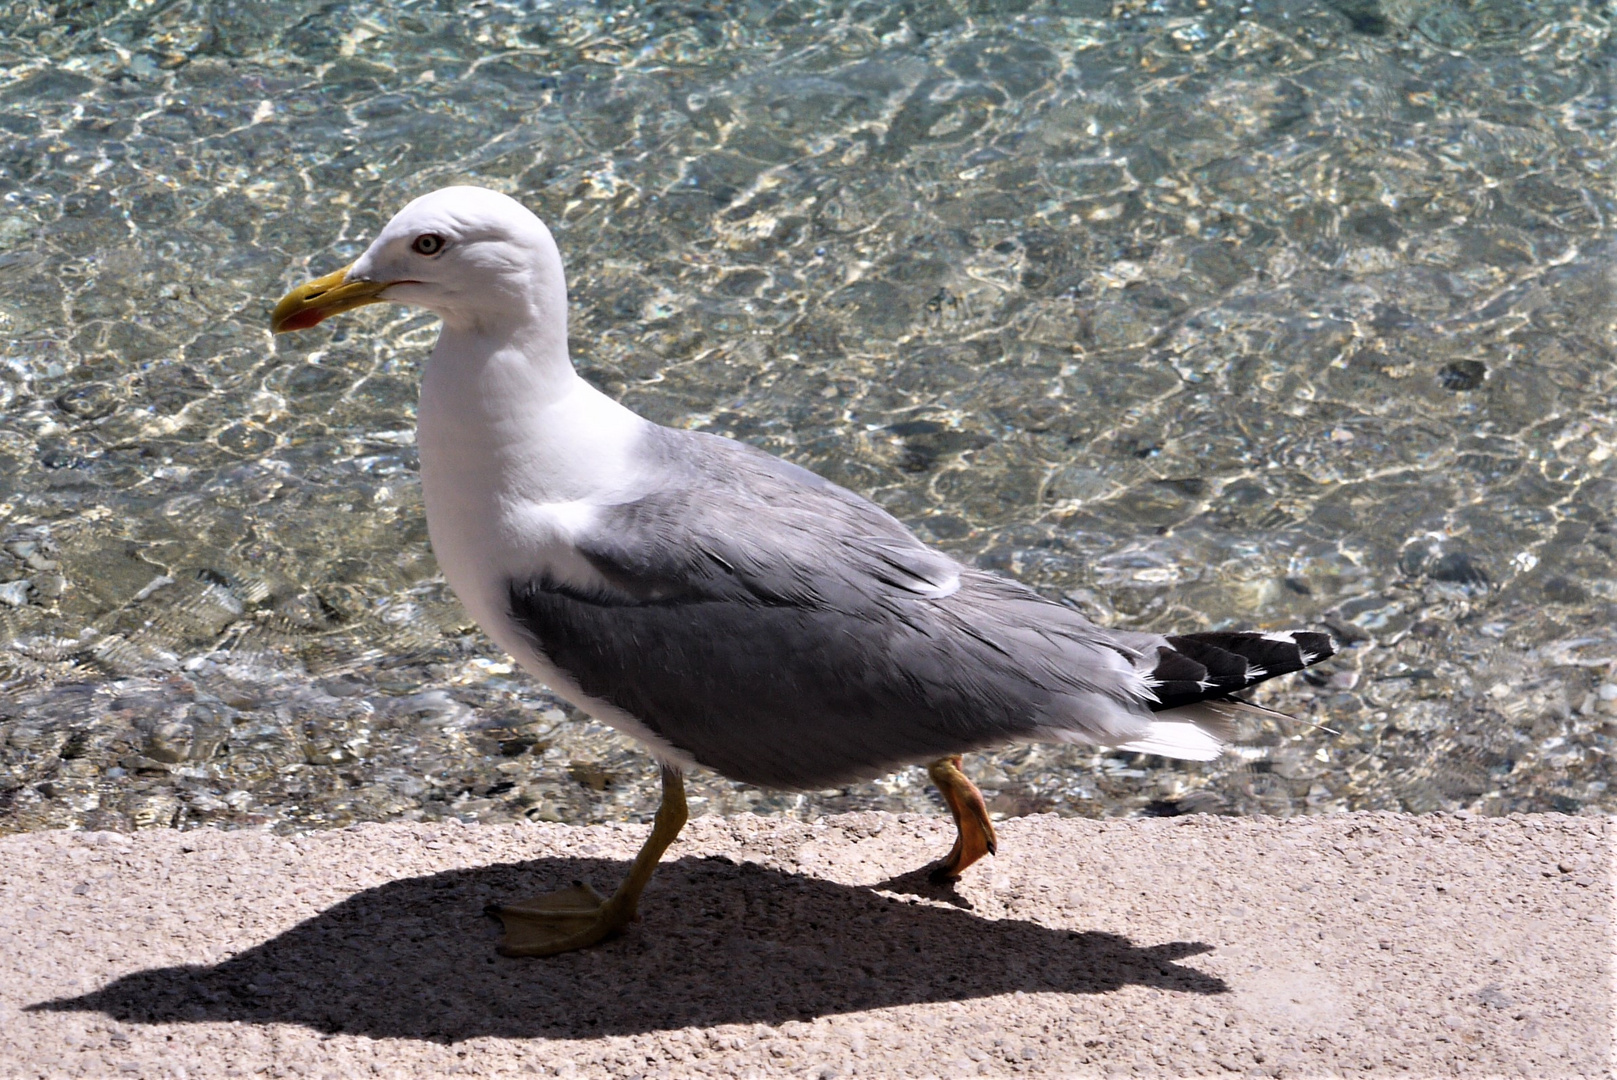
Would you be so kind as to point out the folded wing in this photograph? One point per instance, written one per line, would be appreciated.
(786, 632)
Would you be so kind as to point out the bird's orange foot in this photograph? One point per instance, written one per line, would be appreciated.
(558, 922)
(579, 917)
(974, 832)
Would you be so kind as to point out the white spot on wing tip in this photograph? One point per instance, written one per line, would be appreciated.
(1284, 637)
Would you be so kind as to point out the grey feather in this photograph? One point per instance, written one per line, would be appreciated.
(788, 633)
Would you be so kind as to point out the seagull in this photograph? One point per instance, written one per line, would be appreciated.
(723, 606)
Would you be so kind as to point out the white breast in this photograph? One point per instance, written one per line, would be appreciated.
(513, 466)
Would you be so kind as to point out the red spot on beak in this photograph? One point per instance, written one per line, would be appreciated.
(304, 319)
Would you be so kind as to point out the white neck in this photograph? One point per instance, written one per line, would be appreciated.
(508, 416)
(528, 360)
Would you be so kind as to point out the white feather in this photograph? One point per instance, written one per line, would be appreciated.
(1176, 739)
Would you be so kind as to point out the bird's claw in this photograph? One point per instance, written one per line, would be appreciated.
(572, 918)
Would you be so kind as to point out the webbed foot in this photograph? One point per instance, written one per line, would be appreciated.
(578, 917)
(557, 922)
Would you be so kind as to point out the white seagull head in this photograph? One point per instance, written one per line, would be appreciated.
(478, 259)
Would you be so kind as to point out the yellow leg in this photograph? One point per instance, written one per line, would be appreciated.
(578, 917)
(974, 833)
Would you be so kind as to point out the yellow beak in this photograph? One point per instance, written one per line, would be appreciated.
(314, 300)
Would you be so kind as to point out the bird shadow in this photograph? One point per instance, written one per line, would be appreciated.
(920, 883)
(720, 943)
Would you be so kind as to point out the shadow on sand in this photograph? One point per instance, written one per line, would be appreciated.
(721, 943)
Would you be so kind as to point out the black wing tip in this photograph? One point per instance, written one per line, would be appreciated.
(1216, 664)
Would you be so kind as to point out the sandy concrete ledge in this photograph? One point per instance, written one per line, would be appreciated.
(1362, 945)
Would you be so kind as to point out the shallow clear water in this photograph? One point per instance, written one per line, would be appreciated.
(1199, 314)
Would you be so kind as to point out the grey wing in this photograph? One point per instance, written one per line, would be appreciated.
(788, 633)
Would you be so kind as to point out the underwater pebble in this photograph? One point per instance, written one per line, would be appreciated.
(1123, 343)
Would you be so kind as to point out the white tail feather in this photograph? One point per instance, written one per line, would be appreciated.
(1176, 739)
(1197, 732)
(1217, 718)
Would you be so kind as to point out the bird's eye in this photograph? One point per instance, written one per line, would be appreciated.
(428, 244)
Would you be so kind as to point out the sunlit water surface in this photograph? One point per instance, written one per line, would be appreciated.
(1197, 314)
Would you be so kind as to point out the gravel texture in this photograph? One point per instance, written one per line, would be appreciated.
(1362, 944)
